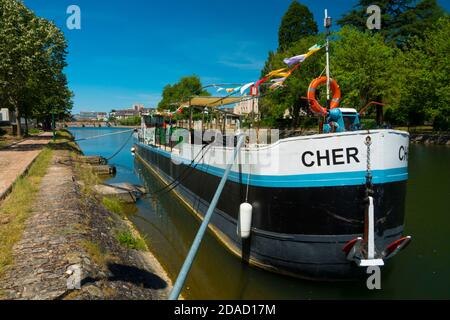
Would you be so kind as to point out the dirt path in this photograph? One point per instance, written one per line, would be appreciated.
(68, 232)
(15, 160)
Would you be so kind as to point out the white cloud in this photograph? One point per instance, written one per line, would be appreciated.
(240, 58)
(242, 64)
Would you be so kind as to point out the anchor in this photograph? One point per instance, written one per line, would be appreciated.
(363, 251)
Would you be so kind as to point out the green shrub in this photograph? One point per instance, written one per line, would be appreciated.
(128, 240)
(369, 124)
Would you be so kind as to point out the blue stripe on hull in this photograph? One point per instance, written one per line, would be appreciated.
(304, 180)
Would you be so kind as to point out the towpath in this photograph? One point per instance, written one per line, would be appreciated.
(16, 159)
(67, 232)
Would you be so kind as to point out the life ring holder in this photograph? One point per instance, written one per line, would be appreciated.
(314, 104)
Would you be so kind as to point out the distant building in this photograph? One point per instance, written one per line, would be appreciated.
(247, 107)
(102, 116)
(124, 114)
(91, 116)
(147, 111)
(138, 107)
(228, 109)
(136, 111)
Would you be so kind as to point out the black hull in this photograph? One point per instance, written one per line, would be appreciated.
(295, 231)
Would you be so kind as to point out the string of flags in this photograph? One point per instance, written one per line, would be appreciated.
(280, 75)
(276, 77)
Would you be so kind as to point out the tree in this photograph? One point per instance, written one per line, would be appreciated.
(425, 89)
(181, 91)
(401, 19)
(298, 22)
(32, 59)
(363, 64)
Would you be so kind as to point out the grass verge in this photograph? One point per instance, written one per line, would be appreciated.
(127, 239)
(17, 207)
(114, 205)
(97, 254)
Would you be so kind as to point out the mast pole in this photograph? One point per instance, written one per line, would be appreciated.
(327, 24)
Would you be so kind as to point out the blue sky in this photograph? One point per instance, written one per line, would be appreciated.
(127, 51)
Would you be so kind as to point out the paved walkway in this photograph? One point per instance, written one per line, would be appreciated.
(15, 160)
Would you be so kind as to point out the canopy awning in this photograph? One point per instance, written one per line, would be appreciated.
(210, 101)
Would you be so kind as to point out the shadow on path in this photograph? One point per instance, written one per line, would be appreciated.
(136, 276)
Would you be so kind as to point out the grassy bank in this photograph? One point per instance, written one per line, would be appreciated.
(17, 207)
(126, 235)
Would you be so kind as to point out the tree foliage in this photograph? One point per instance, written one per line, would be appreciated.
(401, 19)
(182, 90)
(298, 22)
(411, 80)
(423, 79)
(364, 67)
(32, 59)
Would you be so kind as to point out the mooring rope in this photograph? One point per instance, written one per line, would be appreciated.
(185, 174)
(104, 135)
(121, 148)
(191, 170)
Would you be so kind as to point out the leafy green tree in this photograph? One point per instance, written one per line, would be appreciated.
(364, 66)
(181, 91)
(298, 22)
(32, 59)
(401, 19)
(425, 89)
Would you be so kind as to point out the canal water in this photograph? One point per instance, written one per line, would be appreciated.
(422, 271)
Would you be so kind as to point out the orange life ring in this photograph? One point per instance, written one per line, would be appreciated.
(314, 104)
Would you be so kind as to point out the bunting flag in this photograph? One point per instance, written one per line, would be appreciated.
(276, 85)
(246, 86)
(261, 81)
(280, 74)
(294, 60)
(279, 82)
(233, 90)
(276, 73)
(180, 110)
(279, 79)
(299, 59)
(218, 89)
(316, 47)
(227, 90)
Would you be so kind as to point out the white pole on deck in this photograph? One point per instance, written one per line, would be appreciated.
(327, 25)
